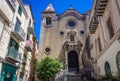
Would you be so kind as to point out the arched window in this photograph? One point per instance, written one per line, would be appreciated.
(118, 61)
(107, 69)
(48, 21)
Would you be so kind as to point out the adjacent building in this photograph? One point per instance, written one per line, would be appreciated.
(105, 36)
(16, 40)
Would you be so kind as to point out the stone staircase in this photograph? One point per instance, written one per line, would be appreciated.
(68, 76)
(74, 77)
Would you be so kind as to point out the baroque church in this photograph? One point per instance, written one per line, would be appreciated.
(63, 36)
(88, 45)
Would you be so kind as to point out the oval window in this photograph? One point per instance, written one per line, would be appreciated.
(47, 50)
(71, 23)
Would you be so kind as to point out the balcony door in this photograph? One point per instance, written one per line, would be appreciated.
(13, 48)
(13, 44)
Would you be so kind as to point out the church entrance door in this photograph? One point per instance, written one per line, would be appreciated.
(73, 64)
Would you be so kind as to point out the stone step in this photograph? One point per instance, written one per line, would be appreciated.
(74, 77)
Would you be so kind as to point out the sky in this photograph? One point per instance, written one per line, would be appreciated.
(38, 6)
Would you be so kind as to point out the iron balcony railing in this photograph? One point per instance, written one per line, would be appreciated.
(13, 54)
(19, 33)
(29, 45)
(100, 7)
(93, 24)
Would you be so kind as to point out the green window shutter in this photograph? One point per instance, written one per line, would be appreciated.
(10, 42)
(20, 10)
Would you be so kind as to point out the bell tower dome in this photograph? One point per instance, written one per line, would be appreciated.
(49, 15)
(50, 8)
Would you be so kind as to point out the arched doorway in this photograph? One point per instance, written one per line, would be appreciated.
(73, 64)
(107, 68)
(118, 61)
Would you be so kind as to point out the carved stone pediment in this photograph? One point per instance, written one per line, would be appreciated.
(67, 46)
(76, 45)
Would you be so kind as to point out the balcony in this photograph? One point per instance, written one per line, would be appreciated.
(29, 45)
(100, 7)
(19, 33)
(13, 55)
(5, 10)
(30, 29)
(93, 24)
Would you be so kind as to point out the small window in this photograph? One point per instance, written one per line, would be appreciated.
(61, 33)
(99, 43)
(48, 21)
(47, 50)
(72, 38)
(20, 10)
(81, 32)
(110, 28)
(107, 69)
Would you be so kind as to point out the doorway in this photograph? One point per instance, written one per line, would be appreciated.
(73, 64)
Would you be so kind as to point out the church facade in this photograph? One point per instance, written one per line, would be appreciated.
(84, 43)
(63, 36)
